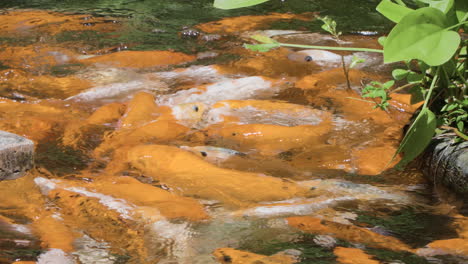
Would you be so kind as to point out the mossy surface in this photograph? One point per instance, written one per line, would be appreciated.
(60, 159)
(414, 228)
(311, 252)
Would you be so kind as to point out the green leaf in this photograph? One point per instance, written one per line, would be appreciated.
(418, 136)
(262, 47)
(414, 77)
(329, 25)
(463, 51)
(417, 94)
(461, 126)
(355, 61)
(423, 66)
(422, 35)
(461, 10)
(399, 74)
(264, 39)
(392, 11)
(452, 106)
(381, 40)
(376, 93)
(232, 4)
(442, 5)
(388, 84)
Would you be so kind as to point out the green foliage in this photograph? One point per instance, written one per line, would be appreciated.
(355, 61)
(423, 35)
(454, 113)
(329, 25)
(392, 11)
(443, 6)
(378, 90)
(418, 136)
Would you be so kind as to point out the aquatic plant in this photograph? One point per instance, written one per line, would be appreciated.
(428, 41)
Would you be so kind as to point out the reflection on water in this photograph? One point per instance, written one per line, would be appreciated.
(160, 140)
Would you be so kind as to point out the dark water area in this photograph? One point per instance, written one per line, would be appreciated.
(156, 24)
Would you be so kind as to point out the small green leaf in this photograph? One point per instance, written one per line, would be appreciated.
(422, 35)
(329, 25)
(414, 77)
(465, 102)
(463, 51)
(232, 4)
(263, 39)
(423, 66)
(388, 84)
(461, 126)
(262, 47)
(452, 106)
(392, 11)
(355, 61)
(461, 10)
(399, 74)
(418, 137)
(376, 94)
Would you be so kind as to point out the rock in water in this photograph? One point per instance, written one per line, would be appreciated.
(446, 162)
(16, 155)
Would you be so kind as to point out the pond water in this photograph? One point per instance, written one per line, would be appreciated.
(160, 139)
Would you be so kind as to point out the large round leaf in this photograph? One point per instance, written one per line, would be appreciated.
(422, 35)
(232, 4)
(418, 136)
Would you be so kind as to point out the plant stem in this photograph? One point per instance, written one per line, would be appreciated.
(346, 71)
(458, 132)
(362, 100)
(434, 81)
(329, 48)
(456, 25)
(447, 77)
(402, 87)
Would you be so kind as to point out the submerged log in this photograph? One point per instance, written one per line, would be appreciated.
(446, 162)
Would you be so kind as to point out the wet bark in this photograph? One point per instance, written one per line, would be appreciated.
(446, 162)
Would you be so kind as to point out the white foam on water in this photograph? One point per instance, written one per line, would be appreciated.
(360, 191)
(21, 229)
(253, 115)
(108, 91)
(200, 74)
(295, 207)
(119, 205)
(45, 185)
(237, 89)
(92, 251)
(55, 256)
